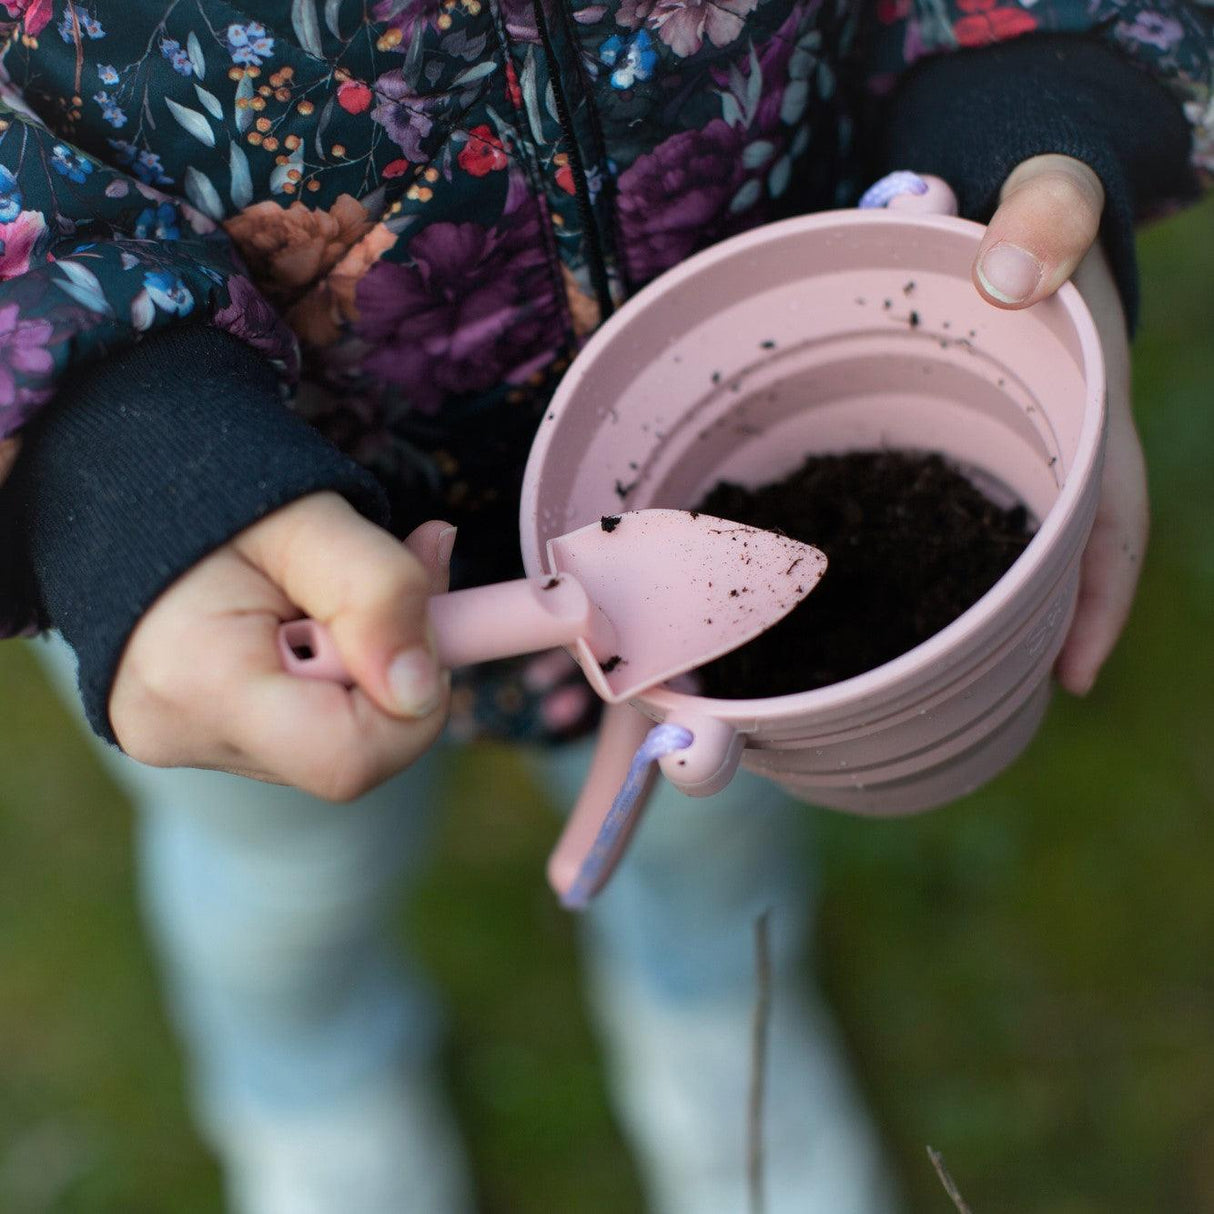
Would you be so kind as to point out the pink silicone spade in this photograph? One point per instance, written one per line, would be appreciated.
(638, 597)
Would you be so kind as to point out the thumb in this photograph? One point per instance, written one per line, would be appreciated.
(1048, 218)
(432, 544)
(368, 589)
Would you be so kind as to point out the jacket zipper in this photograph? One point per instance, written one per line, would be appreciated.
(595, 258)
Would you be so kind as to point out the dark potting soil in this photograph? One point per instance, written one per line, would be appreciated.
(910, 542)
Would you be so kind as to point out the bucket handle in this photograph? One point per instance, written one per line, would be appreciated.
(916, 193)
(699, 755)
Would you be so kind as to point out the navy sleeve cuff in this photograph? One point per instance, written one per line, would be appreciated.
(970, 117)
(145, 464)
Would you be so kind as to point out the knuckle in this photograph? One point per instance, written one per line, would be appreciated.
(1070, 201)
(143, 744)
(158, 681)
(402, 586)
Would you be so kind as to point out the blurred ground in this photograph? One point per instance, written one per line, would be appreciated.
(1025, 976)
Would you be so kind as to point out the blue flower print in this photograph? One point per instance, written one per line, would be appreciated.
(594, 181)
(145, 165)
(177, 55)
(633, 58)
(126, 151)
(10, 196)
(148, 168)
(168, 292)
(90, 27)
(69, 164)
(107, 74)
(159, 223)
(249, 44)
(110, 110)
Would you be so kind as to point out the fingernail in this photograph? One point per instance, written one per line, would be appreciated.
(413, 677)
(1008, 273)
(446, 545)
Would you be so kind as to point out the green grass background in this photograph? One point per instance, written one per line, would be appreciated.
(1025, 976)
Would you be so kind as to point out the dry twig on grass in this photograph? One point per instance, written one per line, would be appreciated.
(950, 1185)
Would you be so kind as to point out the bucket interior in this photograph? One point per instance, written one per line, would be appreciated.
(811, 337)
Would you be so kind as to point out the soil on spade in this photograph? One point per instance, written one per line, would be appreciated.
(911, 544)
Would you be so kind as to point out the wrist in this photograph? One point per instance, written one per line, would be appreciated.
(138, 471)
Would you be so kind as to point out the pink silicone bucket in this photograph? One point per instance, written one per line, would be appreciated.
(843, 331)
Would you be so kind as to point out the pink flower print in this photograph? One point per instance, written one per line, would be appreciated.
(633, 14)
(22, 352)
(35, 13)
(17, 240)
(1153, 29)
(684, 24)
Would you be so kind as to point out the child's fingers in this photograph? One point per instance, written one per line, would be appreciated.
(205, 689)
(432, 543)
(330, 742)
(1048, 217)
(367, 588)
(1112, 561)
(320, 737)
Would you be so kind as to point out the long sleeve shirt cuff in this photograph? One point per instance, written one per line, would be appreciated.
(970, 117)
(144, 465)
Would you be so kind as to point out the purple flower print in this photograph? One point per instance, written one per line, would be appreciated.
(407, 15)
(684, 24)
(520, 20)
(781, 100)
(22, 352)
(402, 113)
(473, 309)
(1152, 29)
(250, 318)
(675, 199)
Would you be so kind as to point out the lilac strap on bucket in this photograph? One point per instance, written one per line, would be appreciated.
(661, 740)
(881, 193)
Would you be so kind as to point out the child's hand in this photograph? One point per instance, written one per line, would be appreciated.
(201, 683)
(1043, 233)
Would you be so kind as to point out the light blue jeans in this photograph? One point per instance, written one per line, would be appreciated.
(271, 911)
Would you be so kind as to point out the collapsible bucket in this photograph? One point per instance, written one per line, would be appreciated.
(836, 332)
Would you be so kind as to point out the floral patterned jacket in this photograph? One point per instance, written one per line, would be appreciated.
(426, 205)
